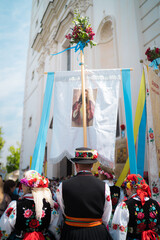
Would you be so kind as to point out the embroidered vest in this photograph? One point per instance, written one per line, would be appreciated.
(83, 196)
(26, 219)
(142, 218)
(115, 195)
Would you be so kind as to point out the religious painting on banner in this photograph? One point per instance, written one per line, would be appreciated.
(121, 155)
(77, 114)
(154, 84)
(102, 95)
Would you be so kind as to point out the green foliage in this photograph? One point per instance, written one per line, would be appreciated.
(13, 159)
(2, 142)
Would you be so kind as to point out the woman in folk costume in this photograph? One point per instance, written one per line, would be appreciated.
(139, 216)
(4, 198)
(85, 201)
(106, 174)
(30, 217)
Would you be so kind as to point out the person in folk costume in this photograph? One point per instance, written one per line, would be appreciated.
(4, 198)
(30, 217)
(139, 216)
(106, 174)
(85, 201)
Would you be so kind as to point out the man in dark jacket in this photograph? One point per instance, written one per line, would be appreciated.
(85, 201)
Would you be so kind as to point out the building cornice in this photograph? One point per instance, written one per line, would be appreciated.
(56, 15)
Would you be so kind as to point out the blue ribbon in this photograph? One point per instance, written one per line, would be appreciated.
(79, 46)
(141, 143)
(38, 155)
(155, 63)
(129, 121)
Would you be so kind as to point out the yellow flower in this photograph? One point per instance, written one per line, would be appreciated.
(128, 185)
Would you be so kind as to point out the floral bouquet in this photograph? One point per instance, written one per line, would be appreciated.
(81, 32)
(153, 55)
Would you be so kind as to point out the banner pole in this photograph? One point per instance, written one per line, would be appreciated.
(83, 101)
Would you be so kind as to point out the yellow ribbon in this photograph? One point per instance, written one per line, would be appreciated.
(138, 116)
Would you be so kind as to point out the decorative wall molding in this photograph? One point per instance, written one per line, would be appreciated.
(107, 36)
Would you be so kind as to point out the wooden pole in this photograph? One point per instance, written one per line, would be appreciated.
(83, 101)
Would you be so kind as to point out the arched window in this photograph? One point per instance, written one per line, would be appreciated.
(106, 44)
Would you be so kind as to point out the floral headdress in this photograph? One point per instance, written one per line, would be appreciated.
(136, 181)
(85, 155)
(34, 180)
(81, 32)
(107, 174)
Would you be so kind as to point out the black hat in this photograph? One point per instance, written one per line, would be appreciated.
(85, 156)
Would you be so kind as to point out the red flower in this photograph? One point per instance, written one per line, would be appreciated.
(147, 51)
(140, 215)
(114, 201)
(77, 154)
(41, 183)
(9, 211)
(84, 155)
(1, 234)
(152, 225)
(152, 214)
(123, 127)
(141, 227)
(30, 182)
(28, 213)
(151, 135)
(33, 223)
(122, 228)
(155, 190)
(152, 54)
(108, 198)
(68, 36)
(115, 226)
(43, 213)
(56, 205)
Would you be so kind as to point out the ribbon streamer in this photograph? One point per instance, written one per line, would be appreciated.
(129, 122)
(155, 63)
(138, 116)
(79, 46)
(38, 155)
(141, 143)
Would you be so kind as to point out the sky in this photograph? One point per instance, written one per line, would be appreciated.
(14, 39)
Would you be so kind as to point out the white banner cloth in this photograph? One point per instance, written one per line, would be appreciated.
(101, 105)
(153, 171)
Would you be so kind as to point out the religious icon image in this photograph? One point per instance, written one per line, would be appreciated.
(77, 114)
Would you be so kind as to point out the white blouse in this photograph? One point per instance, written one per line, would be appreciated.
(120, 220)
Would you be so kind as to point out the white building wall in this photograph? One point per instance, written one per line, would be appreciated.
(135, 27)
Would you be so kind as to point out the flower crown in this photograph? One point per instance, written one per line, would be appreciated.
(90, 154)
(133, 181)
(34, 180)
(108, 175)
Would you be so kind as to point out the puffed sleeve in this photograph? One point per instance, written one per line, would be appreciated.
(120, 222)
(59, 198)
(107, 206)
(56, 219)
(8, 220)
